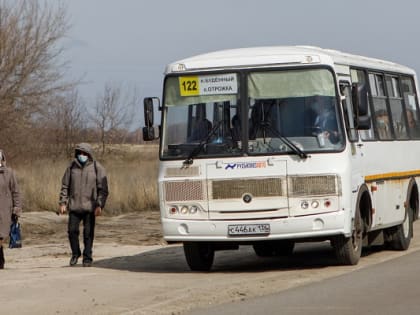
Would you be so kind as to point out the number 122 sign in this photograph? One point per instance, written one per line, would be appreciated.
(208, 85)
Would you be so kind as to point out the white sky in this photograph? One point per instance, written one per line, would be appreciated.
(129, 42)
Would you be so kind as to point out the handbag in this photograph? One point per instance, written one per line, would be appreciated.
(15, 240)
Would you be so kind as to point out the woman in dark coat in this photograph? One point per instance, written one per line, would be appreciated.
(9, 202)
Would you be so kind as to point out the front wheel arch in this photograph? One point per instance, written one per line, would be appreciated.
(349, 249)
(364, 203)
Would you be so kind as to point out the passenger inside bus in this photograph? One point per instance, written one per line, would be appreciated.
(413, 126)
(382, 124)
(236, 128)
(200, 130)
(325, 119)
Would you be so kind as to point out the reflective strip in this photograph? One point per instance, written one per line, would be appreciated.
(392, 175)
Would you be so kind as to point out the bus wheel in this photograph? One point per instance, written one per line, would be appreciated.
(274, 248)
(199, 255)
(349, 249)
(399, 237)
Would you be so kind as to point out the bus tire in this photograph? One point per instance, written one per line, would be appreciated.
(199, 255)
(349, 249)
(273, 248)
(399, 237)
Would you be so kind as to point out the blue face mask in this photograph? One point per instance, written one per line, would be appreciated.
(82, 158)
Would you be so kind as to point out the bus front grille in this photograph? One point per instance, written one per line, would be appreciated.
(236, 188)
(185, 191)
(316, 185)
(224, 189)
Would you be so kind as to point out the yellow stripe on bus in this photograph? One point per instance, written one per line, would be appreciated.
(392, 175)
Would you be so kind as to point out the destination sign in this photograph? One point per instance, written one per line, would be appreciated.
(208, 85)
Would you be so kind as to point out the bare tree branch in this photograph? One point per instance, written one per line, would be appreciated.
(114, 110)
(30, 65)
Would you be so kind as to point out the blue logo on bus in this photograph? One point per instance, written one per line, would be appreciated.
(243, 165)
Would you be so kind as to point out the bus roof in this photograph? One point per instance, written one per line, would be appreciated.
(279, 55)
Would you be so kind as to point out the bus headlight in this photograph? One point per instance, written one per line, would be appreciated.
(184, 210)
(315, 204)
(193, 209)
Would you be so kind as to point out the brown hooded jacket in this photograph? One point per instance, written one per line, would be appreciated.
(9, 197)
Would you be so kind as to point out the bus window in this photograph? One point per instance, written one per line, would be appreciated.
(392, 87)
(395, 102)
(381, 116)
(286, 104)
(376, 82)
(410, 100)
(198, 124)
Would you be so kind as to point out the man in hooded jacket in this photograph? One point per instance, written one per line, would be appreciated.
(10, 204)
(83, 195)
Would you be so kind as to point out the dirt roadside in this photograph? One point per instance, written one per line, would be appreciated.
(141, 228)
(135, 272)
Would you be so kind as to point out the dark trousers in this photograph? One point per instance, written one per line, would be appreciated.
(88, 219)
(1, 258)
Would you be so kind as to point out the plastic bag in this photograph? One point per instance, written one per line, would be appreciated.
(15, 235)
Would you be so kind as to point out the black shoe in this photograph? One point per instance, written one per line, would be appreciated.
(73, 260)
(87, 263)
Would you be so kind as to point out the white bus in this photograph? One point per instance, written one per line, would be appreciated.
(271, 146)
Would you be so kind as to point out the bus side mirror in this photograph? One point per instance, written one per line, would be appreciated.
(148, 133)
(360, 104)
(148, 111)
(360, 99)
(149, 130)
(363, 122)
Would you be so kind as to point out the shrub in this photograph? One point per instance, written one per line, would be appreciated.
(132, 179)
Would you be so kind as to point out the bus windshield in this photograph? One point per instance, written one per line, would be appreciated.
(286, 112)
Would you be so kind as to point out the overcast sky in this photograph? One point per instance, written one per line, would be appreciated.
(130, 41)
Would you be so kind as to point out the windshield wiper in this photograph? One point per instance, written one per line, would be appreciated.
(287, 141)
(200, 146)
(292, 146)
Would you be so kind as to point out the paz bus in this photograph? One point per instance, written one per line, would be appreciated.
(243, 160)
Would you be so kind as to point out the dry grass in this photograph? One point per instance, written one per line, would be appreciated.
(132, 178)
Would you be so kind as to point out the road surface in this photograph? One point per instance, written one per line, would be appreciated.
(388, 288)
(155, 279)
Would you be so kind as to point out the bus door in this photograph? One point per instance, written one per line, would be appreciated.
(355, 142)
(247, 189)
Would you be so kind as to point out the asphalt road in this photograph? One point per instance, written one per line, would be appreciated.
(391, 287)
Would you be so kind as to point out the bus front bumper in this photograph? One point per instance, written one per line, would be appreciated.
(312, 226)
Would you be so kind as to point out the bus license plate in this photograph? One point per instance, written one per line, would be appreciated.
(248, 229)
